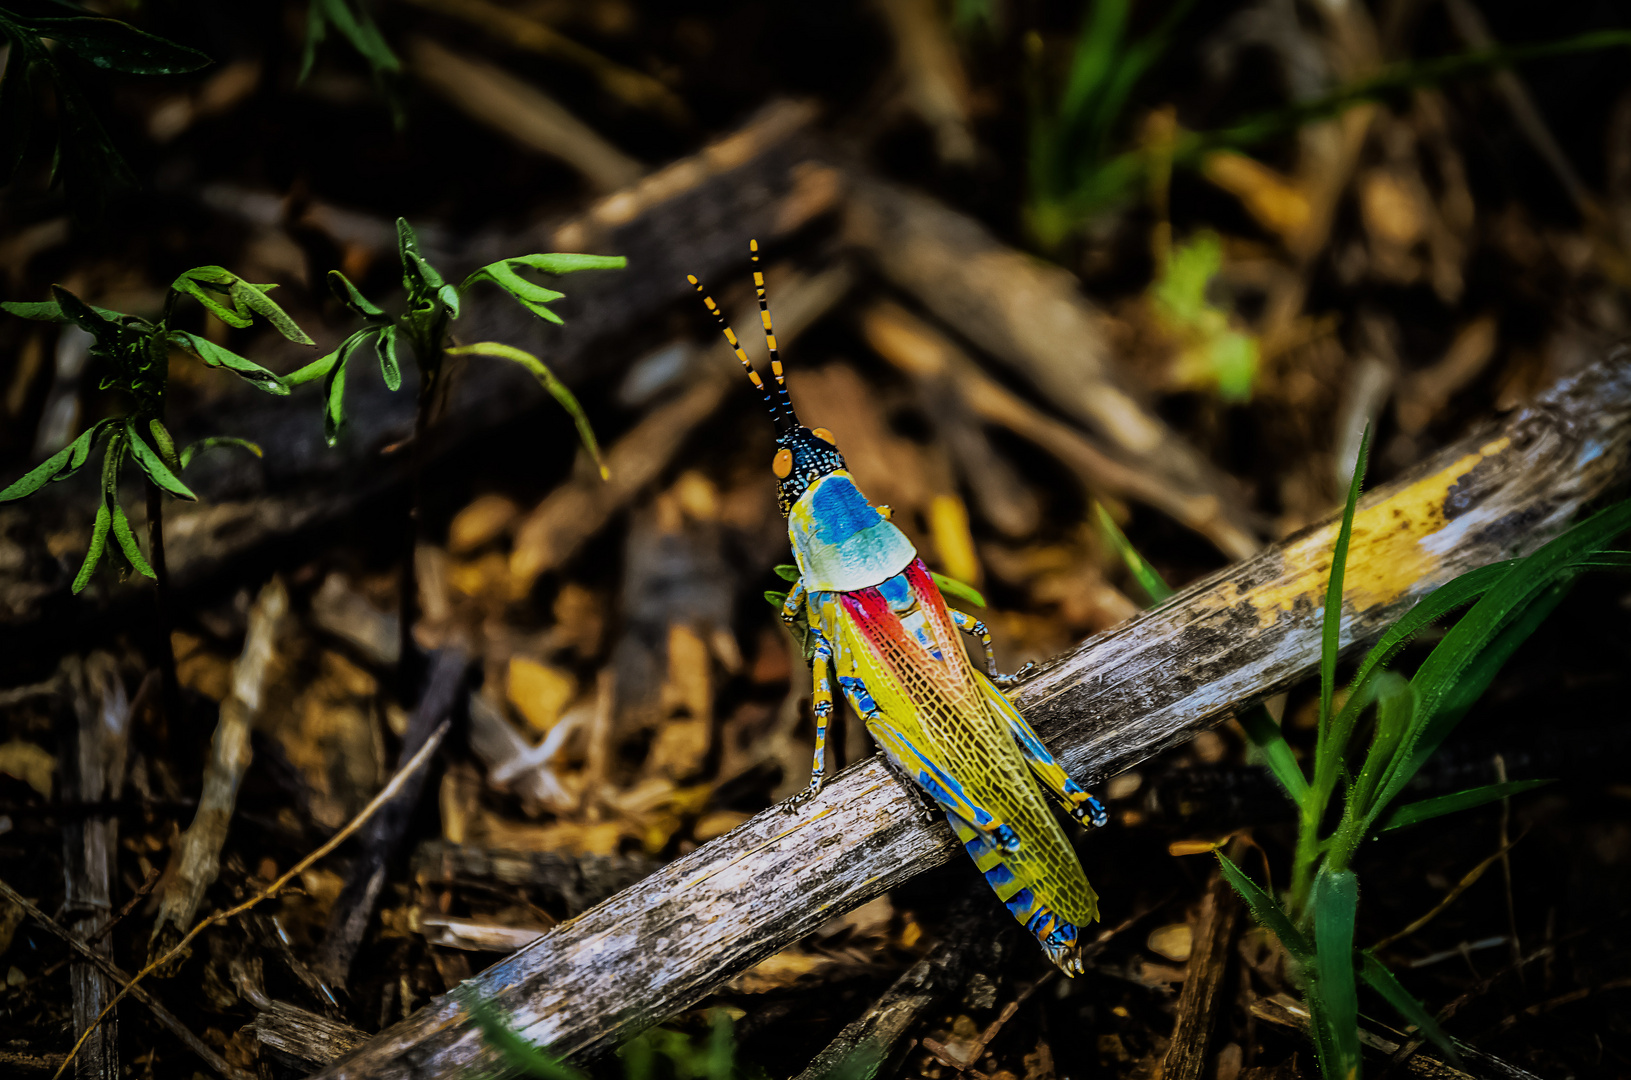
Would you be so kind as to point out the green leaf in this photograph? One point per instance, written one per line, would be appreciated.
(1395, 716)
(389, 364)
(1380, 979)
(1151, 582)
(1266, 909)
(51, 311)
(334, 396)
(721, 1052)
(93, 554)
(1270, 741)
(1331, 742)
(356, 26)
(1335, 904)
(196, 284)
(530, 296)
(953, 587)
(154, 466)
(787, 572)
(127, 541)
(1427, 809)
(556, 388)
(162, 441)
(775, 599)
(249, 295)
(351, 297)
(95, 321)
(212, 441)
(416, 270)
(243, 367)
(319, 368)
(570, 263)
(59, 466)
(118, 46)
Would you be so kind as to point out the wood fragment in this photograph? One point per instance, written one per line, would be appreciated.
(936, 87)
(1033, 317)
(164, 1016)
(575, 882)
(1188, 1054)
(523, 112)
(973, 938)
(365, 878)
(1220, 644)
(196, 859)
(94, 770)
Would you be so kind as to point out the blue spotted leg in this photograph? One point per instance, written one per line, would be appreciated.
(822, 705)
(968, 624)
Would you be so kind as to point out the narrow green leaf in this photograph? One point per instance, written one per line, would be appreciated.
(389, 365)
(556, 388)
(198, 290)
(1151, 582)
(721, 1052)
(59, 466)
(212, 441)
(127, 541)
(1335, 904)
(1395, 716)
(319, 368)
(787, 572)
(504, 277)
(96, 321)
(50, 311)
(334, 400)
(953, 587)
(1380, 979)
(416, 269)
(1427, 809)
(1270, 741)
(243, 367)
(351, 297)
(118, 46)
(249, 295)
(357, 27)
(1266, 909)
(93, 554)
(775, 599)
(163, 443)
(154, 466)
(570, 263)
(1330, 743)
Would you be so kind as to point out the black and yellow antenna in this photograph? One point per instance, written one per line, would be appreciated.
(780, 407)
(783, 403)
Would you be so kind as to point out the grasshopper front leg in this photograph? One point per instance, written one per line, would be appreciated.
(968, 624)
(822, 703)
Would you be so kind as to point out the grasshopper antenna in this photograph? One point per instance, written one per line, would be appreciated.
(781, 418)
(784, 404)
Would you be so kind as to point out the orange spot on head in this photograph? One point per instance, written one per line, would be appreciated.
(824, 435)
(782, 463)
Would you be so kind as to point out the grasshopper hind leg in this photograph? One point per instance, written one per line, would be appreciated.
(1076, 800)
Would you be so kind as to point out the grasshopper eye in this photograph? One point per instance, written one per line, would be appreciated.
(782, 463)
(825, 436)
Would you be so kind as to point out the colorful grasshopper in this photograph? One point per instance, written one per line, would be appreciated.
(879, 620)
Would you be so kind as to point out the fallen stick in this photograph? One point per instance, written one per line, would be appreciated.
(1222, 643)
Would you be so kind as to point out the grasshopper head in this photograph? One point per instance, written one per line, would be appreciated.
(803, 456)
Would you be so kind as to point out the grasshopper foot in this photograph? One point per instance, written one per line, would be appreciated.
(1005, 681)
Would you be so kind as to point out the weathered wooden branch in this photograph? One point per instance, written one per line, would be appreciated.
(1122, 696)
(1202, 996)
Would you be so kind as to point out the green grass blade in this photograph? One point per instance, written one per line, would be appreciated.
(1427, 809)
(1151, 582)
(1335, 904)
(1266, 910)
(557, 389)
(1380, 979)
(1096, 48)
(517, 1052)
(1270, 741)
(1330, 744)
(721, 1047)
(953, 587)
